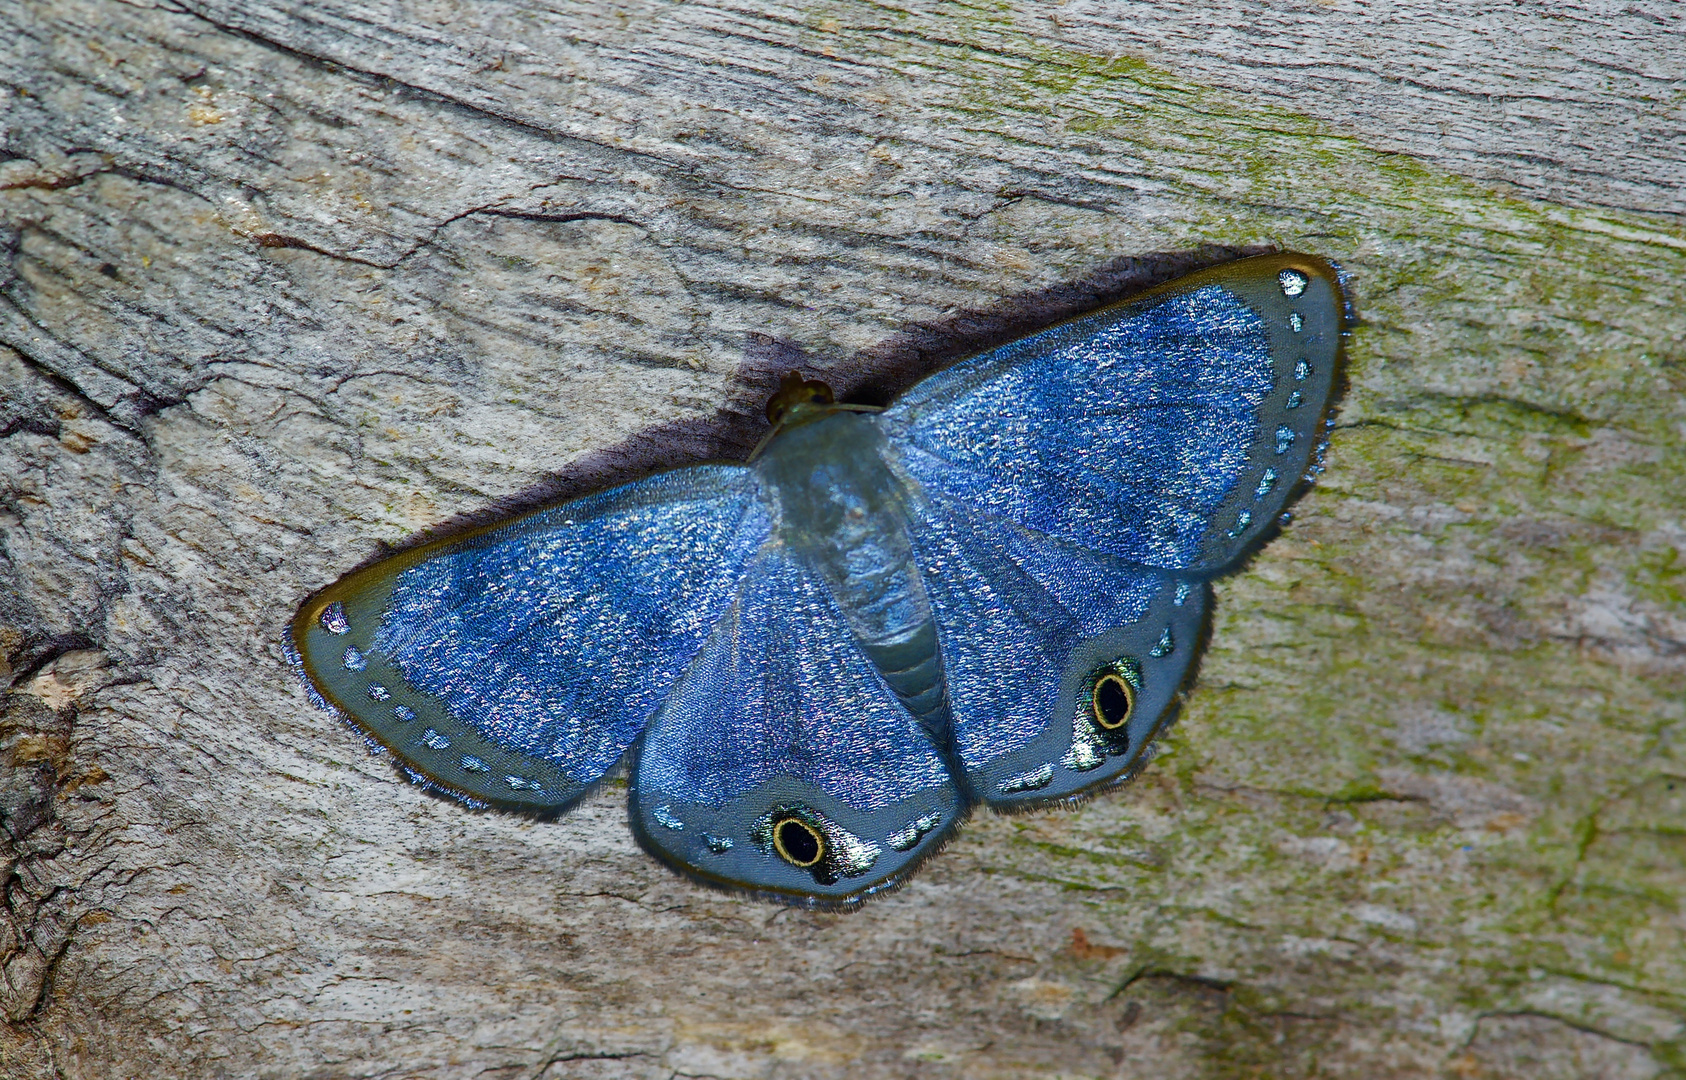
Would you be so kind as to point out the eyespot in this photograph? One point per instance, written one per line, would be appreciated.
(797, 842)
(1114, 701)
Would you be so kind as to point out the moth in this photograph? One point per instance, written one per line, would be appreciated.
(820, 661)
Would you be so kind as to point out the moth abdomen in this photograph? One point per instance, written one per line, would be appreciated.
(913, 668)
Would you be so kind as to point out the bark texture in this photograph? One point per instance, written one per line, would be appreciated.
(286, 284)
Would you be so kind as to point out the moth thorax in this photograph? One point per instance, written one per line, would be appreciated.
(844, 510)
(794, 391)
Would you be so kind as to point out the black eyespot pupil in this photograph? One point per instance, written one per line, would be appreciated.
(798, 842)
(1112, 703)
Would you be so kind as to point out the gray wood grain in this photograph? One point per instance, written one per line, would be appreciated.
(287, 285)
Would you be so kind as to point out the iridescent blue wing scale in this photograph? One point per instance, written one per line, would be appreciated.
(782, 721)
(1169, 430)
(515, 665)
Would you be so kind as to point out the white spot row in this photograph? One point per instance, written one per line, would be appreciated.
(334, 621)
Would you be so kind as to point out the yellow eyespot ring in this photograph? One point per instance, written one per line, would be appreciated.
(798, 842)
(1113, 701)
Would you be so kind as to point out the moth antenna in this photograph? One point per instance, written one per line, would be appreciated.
(762, 445)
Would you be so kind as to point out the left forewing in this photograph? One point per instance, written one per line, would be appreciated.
(514, 665)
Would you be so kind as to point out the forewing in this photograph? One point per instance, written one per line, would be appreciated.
(514, 665)
(781, 716)
(1169, 430)
(1030, 626)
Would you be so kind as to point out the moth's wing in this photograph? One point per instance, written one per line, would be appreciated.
(514, 665)
(1030, 627)
(781, 717)
(1169, 430)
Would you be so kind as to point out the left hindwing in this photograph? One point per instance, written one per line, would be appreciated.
(782, 733)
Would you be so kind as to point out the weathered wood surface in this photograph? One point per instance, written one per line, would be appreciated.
(286, 283)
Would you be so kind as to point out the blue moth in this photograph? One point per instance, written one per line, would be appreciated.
(822, 660)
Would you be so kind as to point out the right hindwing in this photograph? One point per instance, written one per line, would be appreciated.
(1062, 664)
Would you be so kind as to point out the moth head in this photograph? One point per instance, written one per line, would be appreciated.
(797, 396)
